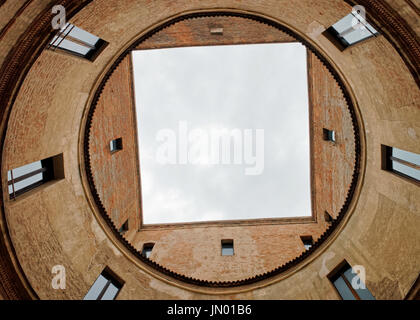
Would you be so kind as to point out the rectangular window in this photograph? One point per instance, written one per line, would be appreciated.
(327, 217)
(124, 228)
(307, 241)
(343, 280)
(106, 287)
(30, 176)
(216, 31)
(403, 163)
(329, 135)
(350, 30)
(116, 145)
(147, 250)
(227, 248)
(76, 41)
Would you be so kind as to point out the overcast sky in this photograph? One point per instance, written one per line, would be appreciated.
(246, 87)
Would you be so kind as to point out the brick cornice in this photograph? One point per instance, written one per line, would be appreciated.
(13, 20)
(280, 269)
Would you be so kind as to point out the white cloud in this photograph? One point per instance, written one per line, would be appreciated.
(246, 87)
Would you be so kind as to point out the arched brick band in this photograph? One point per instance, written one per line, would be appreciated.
(278, 270)
(396, 31)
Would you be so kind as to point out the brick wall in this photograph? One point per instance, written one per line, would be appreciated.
(116, 174)
(194, 250)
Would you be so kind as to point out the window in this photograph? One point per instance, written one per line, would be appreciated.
(414, 292)
(327, 217)
(124, 228)
(116, 145)
(106, 287)
(403, 163)
(307, 241)
(147, 250)
(216, 31)
(342, 281)
(227, 248)
(76, 41)
(329, 135)
(350, 30)
(30, 176)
